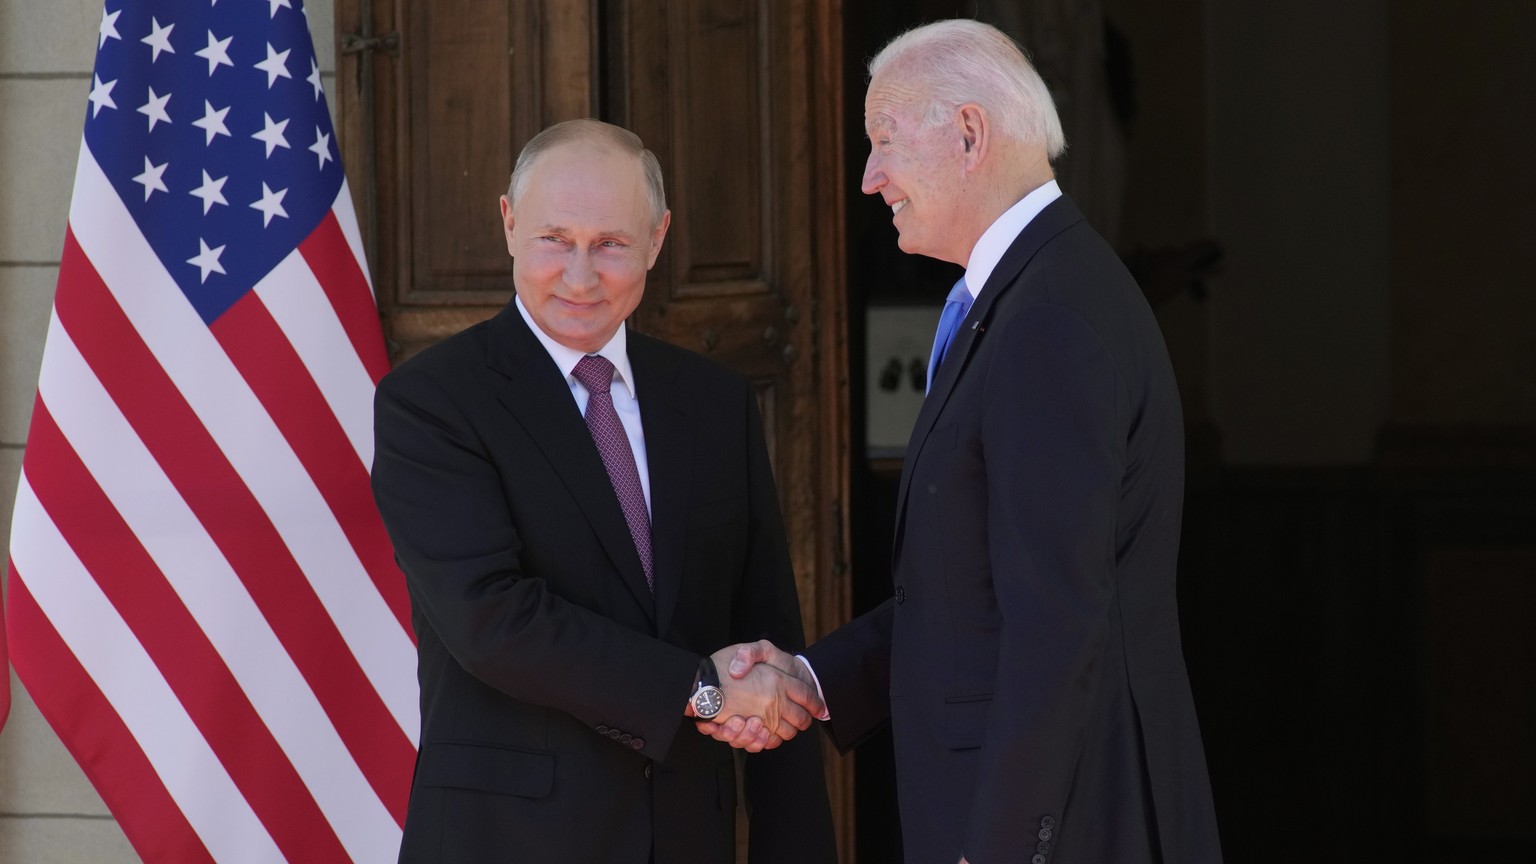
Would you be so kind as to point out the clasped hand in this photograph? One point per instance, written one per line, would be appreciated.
(769, 697)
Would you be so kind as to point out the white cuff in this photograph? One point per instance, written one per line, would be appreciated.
(827, 714)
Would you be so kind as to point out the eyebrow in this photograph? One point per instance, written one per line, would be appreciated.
(561, 229)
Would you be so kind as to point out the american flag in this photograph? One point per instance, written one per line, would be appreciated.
(202, 599)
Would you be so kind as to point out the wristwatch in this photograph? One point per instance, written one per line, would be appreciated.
(707, 698)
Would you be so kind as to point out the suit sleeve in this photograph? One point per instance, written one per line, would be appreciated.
(454, 536)
(1054, 444)
(853, 664)
(791, 819)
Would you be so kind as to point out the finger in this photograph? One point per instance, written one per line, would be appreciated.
(755, 729)
(784, 731)
(728, 731)
(804, 699)
(760, 741)
(794, 715)
(773, 741)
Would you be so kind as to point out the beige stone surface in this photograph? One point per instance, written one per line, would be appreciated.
(26, 298)
(321, 28)
(37, 840)
(39, 144)
(51, 37)
(38, 776)
(10, 473)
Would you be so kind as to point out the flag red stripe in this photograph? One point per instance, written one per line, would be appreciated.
(96, 736)
(209, 693)
(235, 521)
(330, 257)
(256, 345)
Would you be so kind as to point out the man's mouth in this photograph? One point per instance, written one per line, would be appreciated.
(896, 206)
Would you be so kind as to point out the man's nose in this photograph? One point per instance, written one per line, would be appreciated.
(579, 271)
(874, 178)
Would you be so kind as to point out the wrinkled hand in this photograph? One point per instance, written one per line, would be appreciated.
(753, 731)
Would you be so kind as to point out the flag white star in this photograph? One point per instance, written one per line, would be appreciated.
(314, 76)
(212, 122)
(101, 95)
(272, 135)
(108, 28)
(271, 204)
(212, 192)
(207, 260)
(159, 39)
(275, 4)
(152, 178)
(276, 65)
(154, 109)
(217, 52)
(321, 147)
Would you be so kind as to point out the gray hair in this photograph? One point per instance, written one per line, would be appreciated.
(596, 132)
(962, 61)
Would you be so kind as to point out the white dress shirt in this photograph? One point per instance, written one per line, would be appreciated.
(1001, 234)
(625, 399)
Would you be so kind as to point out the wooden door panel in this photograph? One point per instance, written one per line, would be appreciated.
(460, 146)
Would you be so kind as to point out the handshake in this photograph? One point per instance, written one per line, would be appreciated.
(770, 696)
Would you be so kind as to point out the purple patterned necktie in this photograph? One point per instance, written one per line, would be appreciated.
(596, 374)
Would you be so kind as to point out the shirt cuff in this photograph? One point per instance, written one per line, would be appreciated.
(826, 714)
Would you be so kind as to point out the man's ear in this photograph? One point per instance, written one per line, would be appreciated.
(975, 133)
(508, 220)
(657, 237)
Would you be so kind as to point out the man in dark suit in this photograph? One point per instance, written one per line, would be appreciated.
(583, 515)
(1030, 660)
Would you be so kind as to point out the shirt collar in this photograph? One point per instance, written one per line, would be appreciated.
(1001, 234)
(616, 351)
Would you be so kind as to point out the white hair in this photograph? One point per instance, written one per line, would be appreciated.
(597, 132)
(961, 61)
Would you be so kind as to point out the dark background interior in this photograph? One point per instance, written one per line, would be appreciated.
(1357, 611)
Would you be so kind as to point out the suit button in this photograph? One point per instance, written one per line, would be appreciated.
(901, 594)
(602, 730)
(1045, 833)
(614, 734)
(1048, 822)
(626, 738)
(637, 743)
(1038, 859)
(647, 770)
(1042, 847)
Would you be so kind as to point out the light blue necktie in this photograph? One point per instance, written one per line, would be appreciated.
(955, 307)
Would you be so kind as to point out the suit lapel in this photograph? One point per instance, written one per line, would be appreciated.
(534, 393)
(1055, 218)
(668, 449)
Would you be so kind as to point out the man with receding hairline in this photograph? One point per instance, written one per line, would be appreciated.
(583, 515)
(1029, 661)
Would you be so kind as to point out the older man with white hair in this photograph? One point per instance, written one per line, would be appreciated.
(1030, 660)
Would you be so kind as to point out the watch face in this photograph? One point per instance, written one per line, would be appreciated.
(708, 702)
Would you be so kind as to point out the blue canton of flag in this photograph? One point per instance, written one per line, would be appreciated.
(221, 145)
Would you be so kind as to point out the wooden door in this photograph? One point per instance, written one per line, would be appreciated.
(741, 102)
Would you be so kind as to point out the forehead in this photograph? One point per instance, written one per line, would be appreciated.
(581, 181)
(890, 100)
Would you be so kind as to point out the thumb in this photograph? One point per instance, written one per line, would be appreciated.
(749, 655)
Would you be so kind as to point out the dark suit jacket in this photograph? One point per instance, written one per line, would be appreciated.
(552, 683)
(1030, 660)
